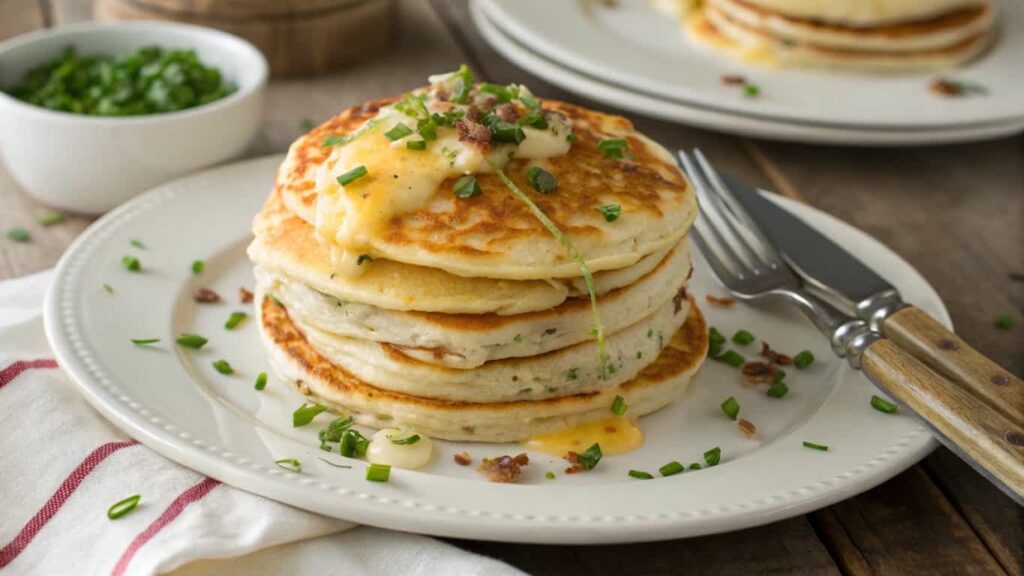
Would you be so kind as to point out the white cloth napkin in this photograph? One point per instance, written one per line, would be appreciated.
(62, 466)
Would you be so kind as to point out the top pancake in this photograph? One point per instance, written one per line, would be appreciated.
(494, 234)
(864, 13)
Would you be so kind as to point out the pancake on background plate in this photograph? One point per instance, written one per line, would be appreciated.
(470, 262)
(873, 35)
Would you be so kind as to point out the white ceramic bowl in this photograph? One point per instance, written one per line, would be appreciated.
(90, 164)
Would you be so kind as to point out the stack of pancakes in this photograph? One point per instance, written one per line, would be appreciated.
(881, 35)
(470, 320)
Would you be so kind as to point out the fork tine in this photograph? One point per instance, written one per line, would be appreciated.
(769, 254)
(704, 217)
(724, 274)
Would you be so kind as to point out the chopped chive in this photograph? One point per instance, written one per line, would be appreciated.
(306, 124)
(671, 469)
(131, 263)
(108, 288)
(549, 475)
(416, 144)
(619, 406)
(535, 119)
(883, 405)
(504, 93)
(334, 430)
(144, 341)
(466, 187)
(590, 457)
(352, 175)
(198, 266)
(715, 342)
(275, 300)
(814, 446)
(50, 218)
(529, 100)
(613, 148)
(304, 414)
(235, 319)
(123, 507)
(191, 340)
(731, 357)
(518, 338)
(611, 212)
(731, 407)
(137, 244)
(713, 457)
(18, 235)
(332, 463)
(694, 466)
(464, 84)
(407, 441)
(353, 444)
(427, 129)
(223, 367)
(571, 138)
(261, 381)
(778, 389)
(742, 337)
(398, 132)
(571, 374)
(640, 475)
(363, 258)
(541, 180)
(334, 140)
(1005, 322)
(803, 359)
(289, 464)
(751, 90)
(378, 472)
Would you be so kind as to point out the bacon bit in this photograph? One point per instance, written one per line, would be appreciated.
(474, 133)
(463, 459)
(574, 459)
(733, 79)
(610, 3)
(505, 469)
(473, 113)
(574, 469)
(677, 300)
(746, 427)
(720, 301)
(775, 357)
(945, 88)
(507, 112)
(755, 373)
(206, 296)
(611, 429)
(244, 295)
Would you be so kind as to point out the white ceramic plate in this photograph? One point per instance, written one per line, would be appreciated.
(637, 47)
(172, 400)
(721, 120)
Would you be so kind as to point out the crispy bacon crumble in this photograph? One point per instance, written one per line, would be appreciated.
(505, 469)
(463, 459)
(746, 427)
(720, 301)
(755, 373)
(775, 357)
(206, 296)
(244, 295)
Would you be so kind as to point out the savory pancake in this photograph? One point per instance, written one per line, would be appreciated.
(297, 362)
(493, 233)
(469, 340)
(864, 13)
(285, 246)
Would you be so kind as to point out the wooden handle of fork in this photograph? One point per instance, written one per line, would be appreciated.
(921, 335)
(992, 441)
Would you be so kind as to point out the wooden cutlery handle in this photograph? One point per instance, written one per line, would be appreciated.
(991, 440)
(921, 335)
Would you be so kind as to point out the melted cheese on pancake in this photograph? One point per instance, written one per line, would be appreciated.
(399, 180)
(616, 435)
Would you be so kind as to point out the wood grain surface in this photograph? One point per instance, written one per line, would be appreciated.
(956, 213)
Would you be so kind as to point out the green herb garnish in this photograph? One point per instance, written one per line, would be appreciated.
(352, 175)
(778, 389)
(751, 90)
(715, 342)
(613, 148)
(275, 300)
(108, 288)
(504, 93)
(137, 244)
(131, 263)
(353, 444)
(50, 218)
(883, 405)
(261, 381)
(1005, 322)
(463, 84)
(223, 367)
(549, 475)
(334, 430)
(398, 132)
(742, 337)
(325, 460)
(306, 124)
(235, 319)
(731, 407)
(611, 212)
(571, 138)
(192, 340)
(713, 457)
(731, 358)
(466, 187)
(590, 457)
(378, 472)
(541, 180)
(334, 140)
(693, 466)
(406, 441)
(671, 469)
(123, 507)
(416, 144)
(289, 464)
(803, 359)
(619, 406)
(640, 475)
(144, 341)
(814, 446)
(197, 267)
(304, 414)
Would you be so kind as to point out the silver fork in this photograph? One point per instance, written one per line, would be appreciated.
(751, 268)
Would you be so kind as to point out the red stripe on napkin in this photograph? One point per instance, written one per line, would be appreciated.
(9, 552)
(11, 372)
(193, 494)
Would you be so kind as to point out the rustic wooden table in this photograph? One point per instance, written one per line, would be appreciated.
(955, 212)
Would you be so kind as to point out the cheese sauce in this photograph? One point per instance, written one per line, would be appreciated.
(616, 435)
(399, 179)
